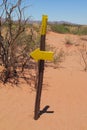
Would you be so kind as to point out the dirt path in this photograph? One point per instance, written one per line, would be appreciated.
(64, 93)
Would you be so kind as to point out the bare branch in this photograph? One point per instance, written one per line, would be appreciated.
(12, 53)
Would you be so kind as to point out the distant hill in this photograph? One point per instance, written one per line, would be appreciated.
(51, 22)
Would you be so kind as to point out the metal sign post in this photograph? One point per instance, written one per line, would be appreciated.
(40, 69)
(40, 55)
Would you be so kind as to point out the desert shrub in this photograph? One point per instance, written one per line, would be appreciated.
(79, 30)
(69, 41)
(59, 56)
(82, 30)
(60, 28)
(15, 42)
(69, 28)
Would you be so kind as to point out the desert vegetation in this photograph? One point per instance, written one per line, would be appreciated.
(64, 89)
(17, 39)
(69, 28)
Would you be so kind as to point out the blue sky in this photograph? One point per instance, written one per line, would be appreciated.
(74, 11)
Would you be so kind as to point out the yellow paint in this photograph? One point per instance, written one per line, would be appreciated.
(44, 24)
(41, 55)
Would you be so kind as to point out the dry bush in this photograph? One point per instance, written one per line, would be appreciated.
(15, 42)
(69, 41)
(59, 56)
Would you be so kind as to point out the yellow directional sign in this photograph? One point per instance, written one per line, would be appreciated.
(41, 55)
(44, 24)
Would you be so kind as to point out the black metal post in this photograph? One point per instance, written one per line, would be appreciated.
(40, 80)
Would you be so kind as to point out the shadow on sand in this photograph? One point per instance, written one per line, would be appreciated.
(45, 110)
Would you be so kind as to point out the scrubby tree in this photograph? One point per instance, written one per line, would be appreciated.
(15, 42)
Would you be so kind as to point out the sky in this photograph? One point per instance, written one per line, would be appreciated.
(74, 11)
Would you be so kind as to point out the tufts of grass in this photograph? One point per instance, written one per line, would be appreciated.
(69, 41)
(59, 55)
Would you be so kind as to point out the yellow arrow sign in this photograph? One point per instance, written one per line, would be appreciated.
(41, 55)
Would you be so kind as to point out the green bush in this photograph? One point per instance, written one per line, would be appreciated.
(82, 31)
(60, 28)
(67, 28)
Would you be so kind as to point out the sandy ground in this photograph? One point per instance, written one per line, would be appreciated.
(64, 94)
